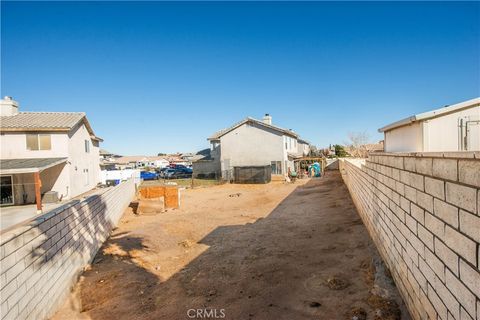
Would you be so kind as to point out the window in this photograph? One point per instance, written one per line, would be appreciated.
(6, 187)
(39, 142)
(87, 146)
(276, 167)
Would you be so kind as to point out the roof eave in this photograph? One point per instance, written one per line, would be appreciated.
(399, 123)
(51, 129)
(32, 169)
(432, 114)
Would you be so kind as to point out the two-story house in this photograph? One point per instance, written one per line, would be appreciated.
(252, 142)
(53, 153)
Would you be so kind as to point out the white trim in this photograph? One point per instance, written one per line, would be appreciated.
(432, 114)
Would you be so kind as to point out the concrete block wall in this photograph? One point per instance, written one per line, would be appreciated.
(423, 213)
(40, 262)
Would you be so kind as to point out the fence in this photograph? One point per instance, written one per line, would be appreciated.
(422, 211)
(40, 262)
(252, 174)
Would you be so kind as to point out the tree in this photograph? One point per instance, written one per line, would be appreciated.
(161, 154)
(340, 151)
(357, 144)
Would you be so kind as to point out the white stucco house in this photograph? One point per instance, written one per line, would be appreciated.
(451, 128)
(252, 142)
(45, 153)
(139, 162)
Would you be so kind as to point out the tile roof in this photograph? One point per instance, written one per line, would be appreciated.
(44, 121)
(222, 132)
(41, 120)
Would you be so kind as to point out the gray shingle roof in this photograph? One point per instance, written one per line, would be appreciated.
(41, 120)
(28, 165)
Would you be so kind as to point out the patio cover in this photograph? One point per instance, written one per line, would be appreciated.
(12, 166)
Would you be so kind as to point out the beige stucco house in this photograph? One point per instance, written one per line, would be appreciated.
(252, 142)
(57, 152)
(451, 128)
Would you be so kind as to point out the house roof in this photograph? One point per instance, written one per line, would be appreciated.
(12, 166)
(45, 121)
(129, 159)
(220, 133)
(432, 114)
(104, 152)
(300, 140)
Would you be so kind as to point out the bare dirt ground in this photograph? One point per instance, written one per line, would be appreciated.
(276, 251)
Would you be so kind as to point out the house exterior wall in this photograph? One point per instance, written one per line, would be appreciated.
(435, 135)
(84, 166)
(303, 149)
(251, 145)
(54, 178)
(80, 174)
(442, 133)
(206, 169)
(422, 210)
(14, 146)
(405, 139)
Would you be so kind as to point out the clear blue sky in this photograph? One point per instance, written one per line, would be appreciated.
(161, 77)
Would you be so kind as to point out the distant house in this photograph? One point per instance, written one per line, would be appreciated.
(451, 128)
(54, 153)
(303, 147)
(252, 142)
(108, 160)
(139, 162)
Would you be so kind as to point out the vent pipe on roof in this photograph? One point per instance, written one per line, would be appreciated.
(267, 119)
(8, 106)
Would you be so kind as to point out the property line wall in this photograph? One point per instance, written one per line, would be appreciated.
(41, 262)
(422, 211)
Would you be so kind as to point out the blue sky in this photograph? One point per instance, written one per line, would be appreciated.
(161, 77)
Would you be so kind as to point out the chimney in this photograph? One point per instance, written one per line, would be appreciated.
(267, 119)
(8, 106)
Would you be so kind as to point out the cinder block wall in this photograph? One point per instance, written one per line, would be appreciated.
(422, 211)
(42, 261)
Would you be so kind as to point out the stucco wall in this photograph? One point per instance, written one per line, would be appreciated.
(81, 180)
(442, 133)
(70, 182)
(252, 145)
(14, 146)
(40, 262)
(423, 213)
(405, 139)
(207, 169)
(55, 178)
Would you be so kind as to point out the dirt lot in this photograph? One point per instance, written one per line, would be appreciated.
(277, 251)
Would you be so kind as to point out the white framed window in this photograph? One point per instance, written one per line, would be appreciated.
(87, 146)
(276, 167)
(35, 141)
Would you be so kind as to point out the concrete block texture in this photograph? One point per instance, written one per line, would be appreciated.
(461, 196)
(41, 261)
(469, 172)
(426, 224)
(445, 169)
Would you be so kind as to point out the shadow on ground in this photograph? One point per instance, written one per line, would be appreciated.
(309, 258)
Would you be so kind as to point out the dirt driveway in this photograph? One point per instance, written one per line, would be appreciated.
(277, 251)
